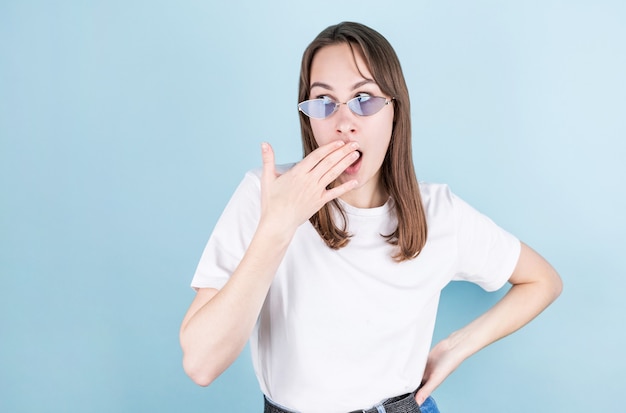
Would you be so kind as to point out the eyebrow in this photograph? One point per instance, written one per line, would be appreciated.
(327, 86)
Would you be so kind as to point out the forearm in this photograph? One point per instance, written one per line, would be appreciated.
(213, 336)
(535, 285)
(520, 305)
(217, 326)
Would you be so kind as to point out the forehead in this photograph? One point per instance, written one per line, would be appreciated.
(339, 63)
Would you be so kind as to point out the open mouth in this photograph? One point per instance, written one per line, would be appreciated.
(354, 168)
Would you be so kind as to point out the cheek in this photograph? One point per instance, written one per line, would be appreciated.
(385, 129)
(320, 133)
(382, 139)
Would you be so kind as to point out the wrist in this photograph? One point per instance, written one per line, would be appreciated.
(275, 232)
(461, 344)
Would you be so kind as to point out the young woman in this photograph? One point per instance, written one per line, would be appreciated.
(333, 267)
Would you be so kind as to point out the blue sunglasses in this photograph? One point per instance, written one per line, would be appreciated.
(322, 108)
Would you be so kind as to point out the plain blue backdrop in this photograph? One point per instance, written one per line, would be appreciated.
(126, 125)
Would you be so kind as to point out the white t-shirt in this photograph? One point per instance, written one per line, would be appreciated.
(343, 329)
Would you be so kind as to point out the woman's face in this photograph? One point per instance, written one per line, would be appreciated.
(340, 74)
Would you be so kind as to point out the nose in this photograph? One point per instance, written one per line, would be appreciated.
(345, 121)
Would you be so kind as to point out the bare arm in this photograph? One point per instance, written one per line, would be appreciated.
(219, 323)
(535, 285)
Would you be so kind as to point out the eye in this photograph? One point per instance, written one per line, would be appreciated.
(363, 96)
(326, 99)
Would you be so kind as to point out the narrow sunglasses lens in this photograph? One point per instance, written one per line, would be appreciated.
(366, 105)
(317, 108)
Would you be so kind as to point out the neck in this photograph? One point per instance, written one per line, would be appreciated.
(368, 196)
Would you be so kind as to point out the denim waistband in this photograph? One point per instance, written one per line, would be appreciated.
(400, 404)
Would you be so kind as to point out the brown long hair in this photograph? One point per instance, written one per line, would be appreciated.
(397, 171)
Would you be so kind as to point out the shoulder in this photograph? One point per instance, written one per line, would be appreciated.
(441, 203)
(428, 189)
(435, 195)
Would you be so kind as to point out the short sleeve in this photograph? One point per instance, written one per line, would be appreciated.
(231, 236)
(486, 254)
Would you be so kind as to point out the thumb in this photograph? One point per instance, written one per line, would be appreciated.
(267, 153)
(422, 394)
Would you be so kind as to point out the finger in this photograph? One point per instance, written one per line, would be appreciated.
(267, 153)
(335, 162)
(336, 167)
(338, 191)
(422, 394)
(312, 159)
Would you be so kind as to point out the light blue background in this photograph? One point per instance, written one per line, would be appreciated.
(125, 127)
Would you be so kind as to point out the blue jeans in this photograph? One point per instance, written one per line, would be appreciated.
(404, 405)
(429, 406)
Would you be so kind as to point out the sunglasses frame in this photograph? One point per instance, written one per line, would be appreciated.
(337, 104)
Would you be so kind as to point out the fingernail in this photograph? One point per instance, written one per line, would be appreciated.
(264, 146)
(354, 145)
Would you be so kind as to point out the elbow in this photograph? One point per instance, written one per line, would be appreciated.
(200, 379)
(196, 367)
(202, 364)
(200, 375)
(557, 286)
(552, 285)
